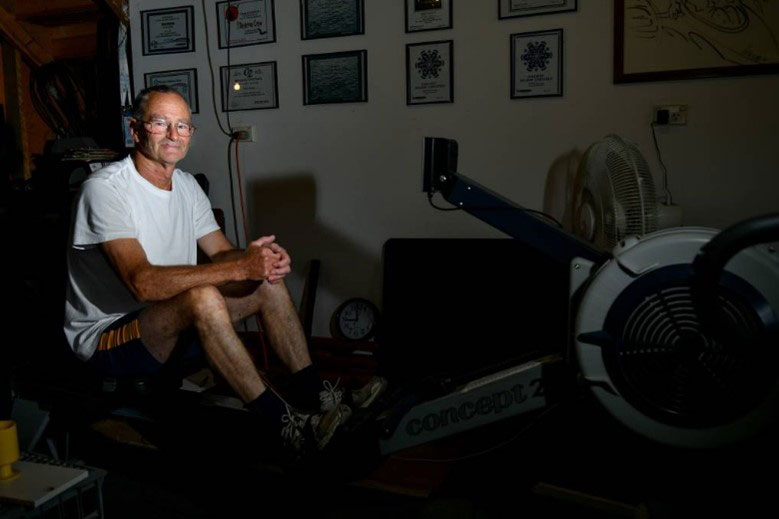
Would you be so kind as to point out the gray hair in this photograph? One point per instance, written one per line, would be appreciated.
(142, 100)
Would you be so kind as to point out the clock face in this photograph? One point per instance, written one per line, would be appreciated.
(357, 319)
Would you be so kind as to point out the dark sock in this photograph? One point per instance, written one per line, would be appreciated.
(269, 407)
(304, 387)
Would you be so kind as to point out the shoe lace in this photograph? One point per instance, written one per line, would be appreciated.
(292, 428)
(331, 396)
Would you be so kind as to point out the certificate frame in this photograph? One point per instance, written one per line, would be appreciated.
(267, 10)
(311, 23)
(531, 54)
(691, 44)
(184, 81)
(323, 85)
(184, 41)
(255, 94)
(416, 21)
(430, 72)
(521, 8)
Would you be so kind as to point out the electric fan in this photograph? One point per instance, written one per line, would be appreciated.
(614, 194)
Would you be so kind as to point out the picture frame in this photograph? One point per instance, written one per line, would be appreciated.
(259, 86)
(430, 72)
(255, 24)
(428, 15)
(654, 44)
(335, 77)
(168, 31)
(520, 8)
(537, 64)
(184, 81)
(331, 18)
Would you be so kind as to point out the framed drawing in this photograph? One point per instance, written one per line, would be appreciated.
(428, 15)
(429, 72)
(248, 22)
(252, 86)
(336, 77)
(537, 64)
(168, 31)
(516, 8)
(183, 81)
(331, 18)
(661, 40)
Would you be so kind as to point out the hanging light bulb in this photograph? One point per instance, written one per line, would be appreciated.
(236, 86)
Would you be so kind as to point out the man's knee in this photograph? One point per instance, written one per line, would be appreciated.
(205, 301)
(271, 295)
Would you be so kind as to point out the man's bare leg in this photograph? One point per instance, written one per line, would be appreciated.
(279, 320)
(206, 309)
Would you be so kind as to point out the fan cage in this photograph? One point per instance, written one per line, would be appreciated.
(623, 189)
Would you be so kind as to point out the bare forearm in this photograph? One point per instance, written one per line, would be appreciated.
(157, 283)
(227, 255)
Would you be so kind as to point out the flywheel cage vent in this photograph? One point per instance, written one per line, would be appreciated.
(665, 363)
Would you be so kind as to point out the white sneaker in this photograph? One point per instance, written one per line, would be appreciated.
(326, 424)
(333, 395)
(330, 396)
(302, 432)
(367, 394)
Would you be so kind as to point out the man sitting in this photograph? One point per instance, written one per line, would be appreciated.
(136, 299)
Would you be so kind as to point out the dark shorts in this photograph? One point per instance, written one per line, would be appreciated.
(121, 353)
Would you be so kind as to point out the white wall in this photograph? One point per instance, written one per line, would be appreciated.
(334, 182)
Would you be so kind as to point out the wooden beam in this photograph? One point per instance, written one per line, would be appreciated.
(13, 100)
(2, 88)
(45, 35)
(22, 40)
(33, 11)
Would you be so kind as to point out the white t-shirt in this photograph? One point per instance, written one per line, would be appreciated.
(117, 202)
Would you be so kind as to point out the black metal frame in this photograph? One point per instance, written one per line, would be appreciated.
(225, 88)
(145, 44)
(362, 55)
(451, 72)
(304, 33)
(560, 68)
(451, 18)
(219, 26)
(550, 10)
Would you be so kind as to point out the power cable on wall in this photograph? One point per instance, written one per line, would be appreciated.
(668, 197)
(231, 14)
(211, 71)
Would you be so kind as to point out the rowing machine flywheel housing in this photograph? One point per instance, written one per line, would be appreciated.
(653, 360)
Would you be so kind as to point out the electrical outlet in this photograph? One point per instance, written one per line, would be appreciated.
(670, 114)
(244, 133)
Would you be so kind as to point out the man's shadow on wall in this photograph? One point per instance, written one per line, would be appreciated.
(287, 208)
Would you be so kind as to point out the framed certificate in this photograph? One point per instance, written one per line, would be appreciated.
(338, 77)
(428, 15)
(429, 72)
(537, 64)
(515, 8)
(167, 31)
(330, 18)
(249, 22)
(253, 86)
(184, 81)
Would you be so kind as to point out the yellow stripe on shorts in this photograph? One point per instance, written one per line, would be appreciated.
(124, 334)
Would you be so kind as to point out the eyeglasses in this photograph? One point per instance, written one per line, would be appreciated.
(161, 126)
